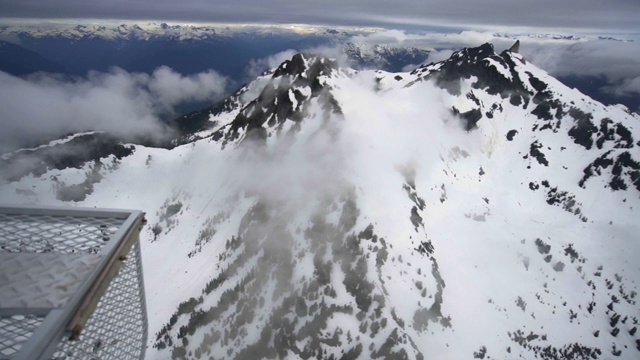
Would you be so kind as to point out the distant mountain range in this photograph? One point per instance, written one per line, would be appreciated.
(186, 49)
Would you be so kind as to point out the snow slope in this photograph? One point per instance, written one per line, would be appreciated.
(473, 208)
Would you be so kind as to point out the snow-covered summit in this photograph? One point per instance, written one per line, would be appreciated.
(473, 208)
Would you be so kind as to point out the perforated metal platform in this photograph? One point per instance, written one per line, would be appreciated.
(71, 284)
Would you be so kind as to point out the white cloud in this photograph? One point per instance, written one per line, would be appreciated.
(45, 105)
(172, 88)
(628, 87)
(382, 37)
(614, 59)
(258, 66)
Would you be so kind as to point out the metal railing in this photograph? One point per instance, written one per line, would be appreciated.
(71, 284)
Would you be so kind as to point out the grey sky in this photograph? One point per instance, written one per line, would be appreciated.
(613, 16)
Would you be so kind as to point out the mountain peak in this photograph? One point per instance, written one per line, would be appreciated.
(495, 72)
(515, 48)
(287, 96)
(474, 54)
(307, 66)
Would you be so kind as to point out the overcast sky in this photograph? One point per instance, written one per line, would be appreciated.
(599, 16)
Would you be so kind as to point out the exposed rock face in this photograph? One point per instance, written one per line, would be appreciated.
(495, 73)
(293, 86)
(515, 48)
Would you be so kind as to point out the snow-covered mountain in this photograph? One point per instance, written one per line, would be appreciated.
(153, 31)
(472, 208)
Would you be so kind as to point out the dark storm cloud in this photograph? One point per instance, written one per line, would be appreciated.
(616, 15)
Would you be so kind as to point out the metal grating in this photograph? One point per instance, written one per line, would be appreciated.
(42, 280)
(118, 325)
(71, 282)
(21, 233)
(14, 331)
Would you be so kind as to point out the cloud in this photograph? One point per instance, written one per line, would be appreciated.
(627, 87)
(614, 59)
(258, 66)
(612, 63)
(366, 43)
(42, 106)
(171, 88)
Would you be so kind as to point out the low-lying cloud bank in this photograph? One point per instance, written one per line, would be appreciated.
(43, 106)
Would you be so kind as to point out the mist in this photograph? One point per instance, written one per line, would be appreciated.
(258, 66)
(44, 106)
